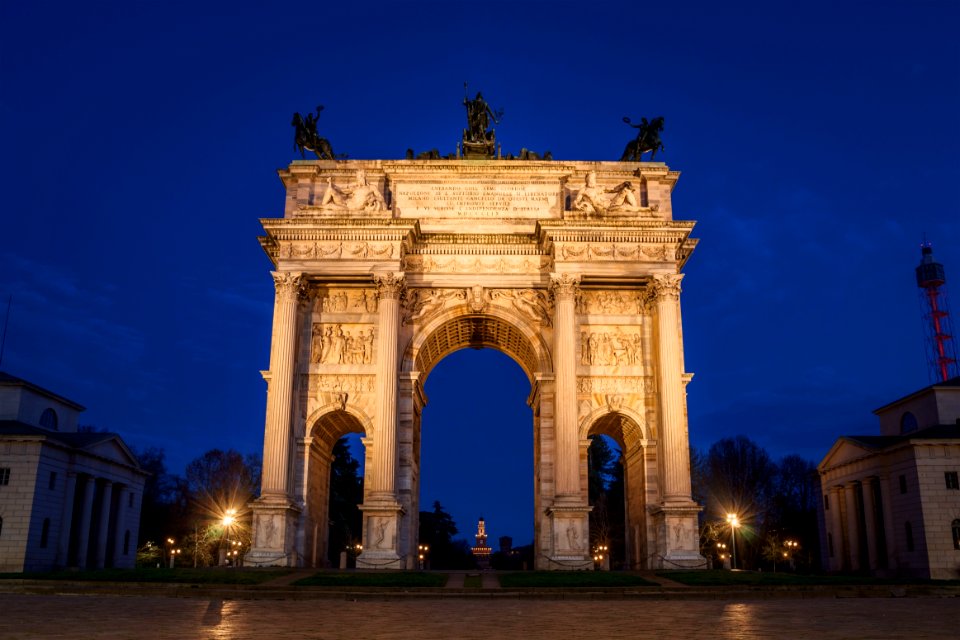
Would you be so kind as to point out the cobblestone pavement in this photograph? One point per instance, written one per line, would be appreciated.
(62, 616)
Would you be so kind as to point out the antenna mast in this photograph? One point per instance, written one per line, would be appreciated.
(941, 350)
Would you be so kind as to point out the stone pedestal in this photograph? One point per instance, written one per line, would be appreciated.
(274, 525)
(570, 538)
(381, 524)
(678, 537)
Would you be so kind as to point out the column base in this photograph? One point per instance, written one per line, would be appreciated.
(381, 520)
(274, 533)
(678, 536)
(570, 536)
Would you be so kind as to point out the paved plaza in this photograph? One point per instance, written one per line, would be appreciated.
(76, 616)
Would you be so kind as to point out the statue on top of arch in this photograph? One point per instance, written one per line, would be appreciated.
(360, 196)
(621, 200)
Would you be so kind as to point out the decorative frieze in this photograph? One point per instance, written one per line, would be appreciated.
(475, 264)
(618, 384)
(613, 251)
(341, 383)
(337, 250)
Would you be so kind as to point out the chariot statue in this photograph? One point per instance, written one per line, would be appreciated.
(478, 139)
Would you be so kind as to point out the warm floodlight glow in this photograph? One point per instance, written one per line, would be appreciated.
(230, 517)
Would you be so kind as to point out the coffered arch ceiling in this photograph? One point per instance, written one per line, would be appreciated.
(477, 331)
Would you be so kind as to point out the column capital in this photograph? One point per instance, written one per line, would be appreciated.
(290, 285)
(389, 285)
(564, 286)
(664, 286)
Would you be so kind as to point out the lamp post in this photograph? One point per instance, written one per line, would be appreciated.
(734, 522)
(423, 550)
(229, 517)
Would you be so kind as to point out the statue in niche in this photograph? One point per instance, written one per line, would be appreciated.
(478, 138)
(593, 199)
(359, 197)
(648, 139)
(305, 136)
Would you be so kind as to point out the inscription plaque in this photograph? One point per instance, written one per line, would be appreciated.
(493, 199)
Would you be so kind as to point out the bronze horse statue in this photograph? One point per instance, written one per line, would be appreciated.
(305, 137)
(648, 139)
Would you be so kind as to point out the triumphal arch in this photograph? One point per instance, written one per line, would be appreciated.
(382, 268)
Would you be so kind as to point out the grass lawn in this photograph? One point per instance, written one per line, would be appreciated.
(188, 575)
(571, 579)
(472, 582)
(733, 578)
(362, 579)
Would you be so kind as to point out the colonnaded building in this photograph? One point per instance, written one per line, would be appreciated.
(68, 498)
(382, 268)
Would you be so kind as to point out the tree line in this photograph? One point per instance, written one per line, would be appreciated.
(775, 502)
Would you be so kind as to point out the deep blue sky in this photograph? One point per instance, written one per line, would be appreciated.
(139, 142)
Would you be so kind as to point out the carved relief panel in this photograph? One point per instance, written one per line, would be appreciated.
(341, 344)
(345, 301)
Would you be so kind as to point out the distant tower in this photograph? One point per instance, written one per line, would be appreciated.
(941, 351)
(481, 550)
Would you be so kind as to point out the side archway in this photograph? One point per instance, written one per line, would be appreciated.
(327, 425)
(636, 439)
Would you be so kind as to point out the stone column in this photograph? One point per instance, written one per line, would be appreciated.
(870, 521)
(383, 479)
(66, 521)
(853, 538)
(890, 534)
(381, 509)
(119, 531)
(86, 515)
(104, 524)
(565, 290)
(677, 523)
(276, 443)
(665, 295)
(839, 560)
(274, 512)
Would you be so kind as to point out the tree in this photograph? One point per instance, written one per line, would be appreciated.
(437, 529)
(740, 479)
(216, 485)
(159, 496)
(346, 494)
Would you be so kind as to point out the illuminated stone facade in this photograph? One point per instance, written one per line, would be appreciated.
(382, 268)
(891, 502)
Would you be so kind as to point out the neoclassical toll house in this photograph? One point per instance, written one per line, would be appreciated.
(384, 267)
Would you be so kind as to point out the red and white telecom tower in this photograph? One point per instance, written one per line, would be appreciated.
(941, 350)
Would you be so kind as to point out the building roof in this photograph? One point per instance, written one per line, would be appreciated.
(952, 382)
(8, 380)
(841, 451)
(938, 432)
(82, 440)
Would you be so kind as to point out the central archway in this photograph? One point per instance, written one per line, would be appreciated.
(461, 328)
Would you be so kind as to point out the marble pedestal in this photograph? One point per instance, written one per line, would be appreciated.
(381, 522)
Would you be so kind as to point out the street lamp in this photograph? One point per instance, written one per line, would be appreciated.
(423, 549)
(734, 522)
